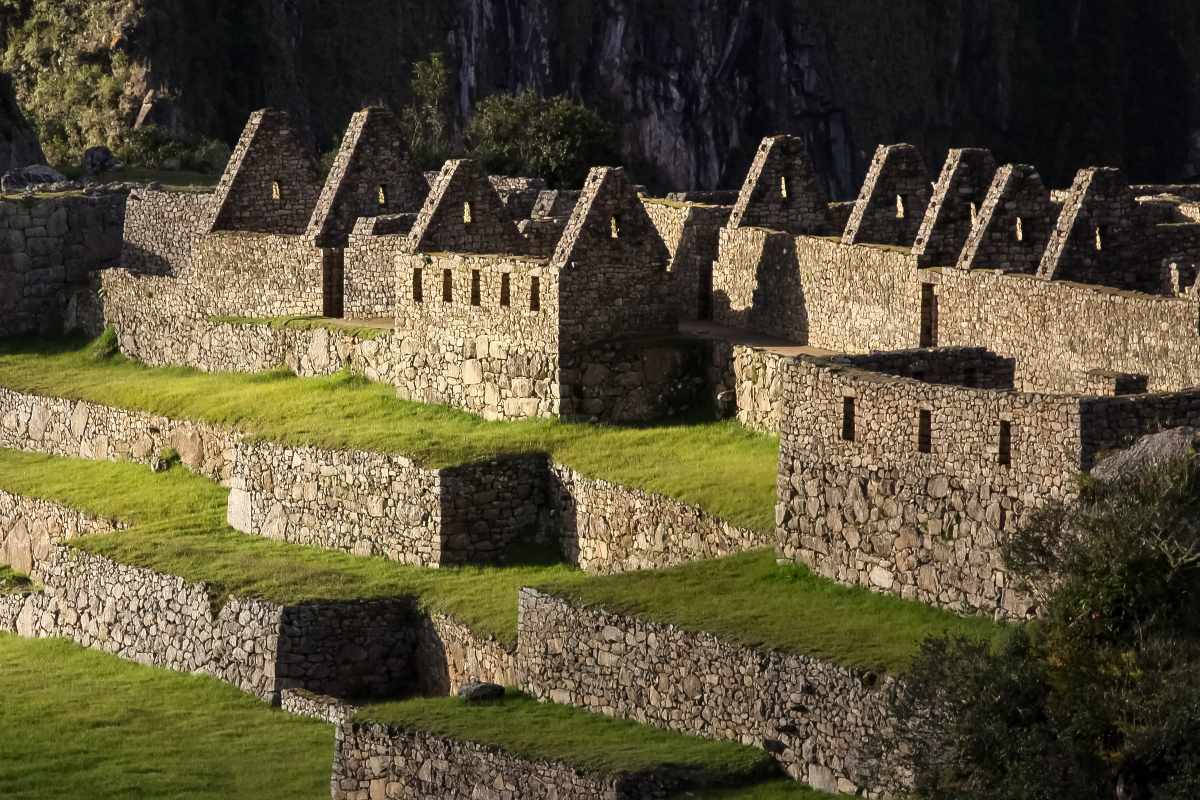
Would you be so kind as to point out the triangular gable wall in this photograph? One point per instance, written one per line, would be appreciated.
(1091, 242)
(781, 191)
(610, 226)
(271, 183)
(894, 196)
(463, 214)
(957, 197)
(372, 174)
(1013, 225)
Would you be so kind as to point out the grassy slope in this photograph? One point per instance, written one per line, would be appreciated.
(76, 723)
(719, 466)
(590, 742)
(751, 600)
(11, 581)
(180, 529)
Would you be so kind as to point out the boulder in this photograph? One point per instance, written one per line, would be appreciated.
(1149, 451)
(98, 160)
(28, 177)
(478, 692)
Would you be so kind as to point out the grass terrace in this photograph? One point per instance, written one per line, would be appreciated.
(590, 742)
(76, 723)
(719, 466)
(179, 529)
(361, 329)
(13, 582)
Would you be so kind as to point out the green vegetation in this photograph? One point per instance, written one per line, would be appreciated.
(589, 742)
(554, 138)
(13, 582)
(770, 790)
(751, 600)
(78, 723)
(719, 466)
(427, 119)
(308, 323)
(1105, 691)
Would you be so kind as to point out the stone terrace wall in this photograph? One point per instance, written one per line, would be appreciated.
(1058, 331)
(30, 527)
(162, 228)
(253, 275)
(87, 430)
(375, 504)
(260, 647)
(605, 527)
(450, 654)
(876, 511)
(46, 244)
(817, 291)
(817, 718)
(381, 762)
(495, 360)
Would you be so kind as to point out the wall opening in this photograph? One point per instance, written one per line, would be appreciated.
(848, 419)
(475, 287)
(333, 282)
(505, 283)
(468, 217)
(929, 315)
(381, 195)
(783, 187)
(899, 206)
(614, 226)
(1004, 456)
(1101, 234)
(1020, 230)
(535, 294)
(925, 431)
(974, 213)
(418, 288)
(276, 191)
(447, 286)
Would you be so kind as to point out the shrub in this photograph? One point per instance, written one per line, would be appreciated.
(553, 138)
(151, 147)
(426, 121)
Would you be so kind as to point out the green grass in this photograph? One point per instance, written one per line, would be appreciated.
(770, 790)
(171, 179)
(751, 600)
(307, 323)
(179, 529)
(590, 742)
(719, 466)
(76, 723)
(13, 582)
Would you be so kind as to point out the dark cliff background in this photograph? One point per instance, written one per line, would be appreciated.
(693, 84)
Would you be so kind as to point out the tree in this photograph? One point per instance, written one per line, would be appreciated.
(426, 119)
(553, 138)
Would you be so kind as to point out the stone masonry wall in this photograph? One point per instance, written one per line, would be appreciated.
(30, 527)
(819, 719)
(382, 762)
(497, 360)
(254, 275)
(817, 291)
(1057, 331)
(80, 429)
(752, 374)
(449, 654)
(162, 228)
(370, 271)
(260, 647)
(47, 244)
(385, 505)
(875, 510)
(690, 233)
(605, 527)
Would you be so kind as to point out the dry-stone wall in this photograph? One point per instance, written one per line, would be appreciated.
(822, 721)
(374, 761)
(253, 274)
(87, 430)
(606, 527)
(817, 291)
(690, 233)
(162, 228)
(895, 195)
(347, 649)
(370, 265)
(46, 245)
(752, 375)
(376, 504)
(449, 654)
(30, 527)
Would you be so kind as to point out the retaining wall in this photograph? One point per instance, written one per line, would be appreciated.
(823, 722)
(30, 527)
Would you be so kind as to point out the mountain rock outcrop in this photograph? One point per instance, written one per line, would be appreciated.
(18, 143)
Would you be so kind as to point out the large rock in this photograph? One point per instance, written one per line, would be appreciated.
(18, 143)
(29, 177)
(98, 160)
(1149, 451)
(477, 692)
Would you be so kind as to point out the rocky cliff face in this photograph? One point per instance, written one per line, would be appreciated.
(695, 83)
(18, 143)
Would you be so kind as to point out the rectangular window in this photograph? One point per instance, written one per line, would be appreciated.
(447, 286)
(848, 419)
(505, 289)
(535, 294)
(925, 432)
(474, 287)
(1005, 454)
(418, 287)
